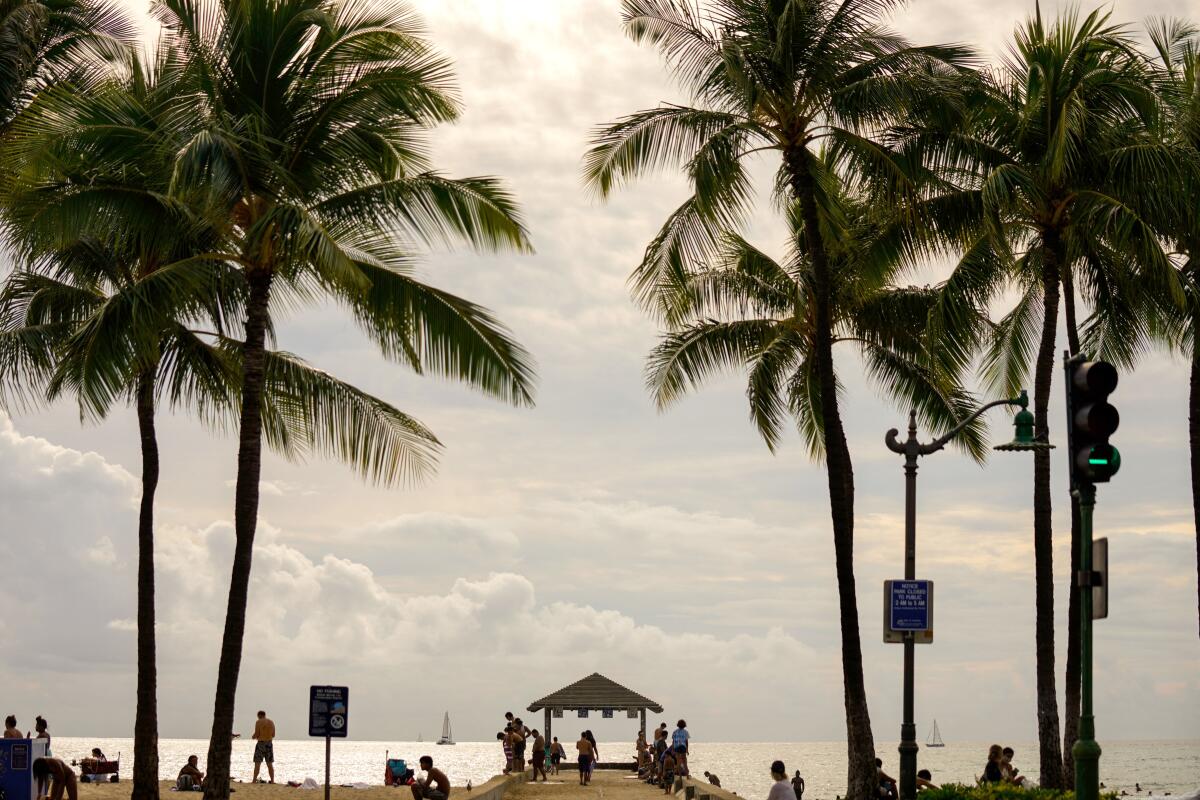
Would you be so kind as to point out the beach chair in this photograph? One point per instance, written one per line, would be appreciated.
(100, 770)
(396, 772)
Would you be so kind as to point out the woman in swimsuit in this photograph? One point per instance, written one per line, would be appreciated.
(58, 775)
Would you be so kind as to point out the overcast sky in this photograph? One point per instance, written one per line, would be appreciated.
(671, 552)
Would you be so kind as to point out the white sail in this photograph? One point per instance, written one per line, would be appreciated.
(447, 736)
(935, 737)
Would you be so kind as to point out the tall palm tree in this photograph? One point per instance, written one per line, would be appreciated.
(113, 307)
(1177, 70)
(788, 77)
(1032, 157)
(312, 140)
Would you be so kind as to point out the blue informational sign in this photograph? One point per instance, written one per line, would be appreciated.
(909, 606)
(328, 711)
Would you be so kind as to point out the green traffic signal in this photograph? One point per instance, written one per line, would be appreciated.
(1091, 419)
(1099, 462)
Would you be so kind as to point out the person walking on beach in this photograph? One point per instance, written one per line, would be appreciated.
(58, 775)
(781, 789)
(436, 785)
(264, 749)
(557, 754)
(595, 752)
(539, 756)
(10, 728)
(798, 785)
(586, 756)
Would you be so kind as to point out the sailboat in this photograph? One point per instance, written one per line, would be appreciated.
(447, 737)
(935, 737)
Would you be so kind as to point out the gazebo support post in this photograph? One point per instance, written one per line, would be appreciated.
(643, 718)
(549, 738)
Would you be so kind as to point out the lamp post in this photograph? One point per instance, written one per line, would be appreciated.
(911, 449)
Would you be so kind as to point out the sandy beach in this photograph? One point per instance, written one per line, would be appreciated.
(277, 791)
(609, 784)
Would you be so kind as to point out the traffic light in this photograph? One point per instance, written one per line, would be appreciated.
(1091, 419)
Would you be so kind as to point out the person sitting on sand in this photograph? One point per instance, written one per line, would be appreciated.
(1007, 770)
(925, 780)
(798, 785)
(713, 779)
(781, 789)
(586, 756)
(539, 756)
(89, 765)
(436, 785)
(58, 775)
(190, 777)
(10, 728)
(991, 771)
(887, 784)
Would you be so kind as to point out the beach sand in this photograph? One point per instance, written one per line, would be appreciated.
(277, 791)
(609, 784)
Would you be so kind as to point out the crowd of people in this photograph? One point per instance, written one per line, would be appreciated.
(665, 759)
(41, 730)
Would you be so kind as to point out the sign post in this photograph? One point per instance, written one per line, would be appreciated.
(328, 716)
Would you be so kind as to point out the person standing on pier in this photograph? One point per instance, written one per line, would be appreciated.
(539, 756)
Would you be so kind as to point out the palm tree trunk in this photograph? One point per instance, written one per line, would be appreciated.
(220, 744)
(1194, 441)
(1074, 656)
(1050, 746)
(861, 780)
(145, 725)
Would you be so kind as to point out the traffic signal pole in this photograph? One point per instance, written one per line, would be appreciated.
(1091, 420)
(1086, 751)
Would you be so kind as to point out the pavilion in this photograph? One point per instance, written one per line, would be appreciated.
(595, 693)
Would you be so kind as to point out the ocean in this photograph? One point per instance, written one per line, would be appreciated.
(1162, 767)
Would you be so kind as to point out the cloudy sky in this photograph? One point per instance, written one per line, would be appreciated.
(671, 552)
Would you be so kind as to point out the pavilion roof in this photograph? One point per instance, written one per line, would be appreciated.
(596, 692)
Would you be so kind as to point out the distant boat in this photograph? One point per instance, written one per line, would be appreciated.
(935, 737)
(419, 739)
(447, 737)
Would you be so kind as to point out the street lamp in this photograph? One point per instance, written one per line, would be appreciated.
(1024, 440)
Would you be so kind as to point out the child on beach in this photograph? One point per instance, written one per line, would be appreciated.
(503, 737)
(668, 772)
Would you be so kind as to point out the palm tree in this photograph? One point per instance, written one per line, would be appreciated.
(1177, 71)
(43, 42)
(787, 76)
(748, 311)
(1033, 158)
(312, 142)
(112, 307)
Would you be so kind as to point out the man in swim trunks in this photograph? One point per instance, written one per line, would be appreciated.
(539, 756)
(586, 754)
(264, 749)
(557, 754)
(58, 775)
(435, 787)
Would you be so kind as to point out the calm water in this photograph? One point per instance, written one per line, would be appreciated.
(1160, 767)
